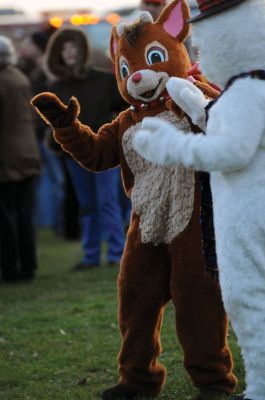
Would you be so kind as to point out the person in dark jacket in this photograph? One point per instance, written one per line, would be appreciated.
(50, 188)
(19, 165)
(68, 60)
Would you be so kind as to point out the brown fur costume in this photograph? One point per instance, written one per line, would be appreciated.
(163, 254)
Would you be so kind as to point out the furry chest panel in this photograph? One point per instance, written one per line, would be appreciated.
(162, 197)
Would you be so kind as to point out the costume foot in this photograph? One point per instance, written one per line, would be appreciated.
(119, 392)
(81, 267)
(211, 395)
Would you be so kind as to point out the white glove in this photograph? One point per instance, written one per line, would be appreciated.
(156, 141)
(189, 98)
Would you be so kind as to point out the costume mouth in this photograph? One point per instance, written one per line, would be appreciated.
(150, 93)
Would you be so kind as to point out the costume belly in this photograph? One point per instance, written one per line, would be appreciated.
(162, 197)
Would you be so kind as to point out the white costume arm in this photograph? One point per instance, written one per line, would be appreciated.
(189, 98)
(231, 141)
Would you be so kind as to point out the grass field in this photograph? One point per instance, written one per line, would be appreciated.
(59, 336)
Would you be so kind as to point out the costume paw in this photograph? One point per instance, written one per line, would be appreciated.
(189, 98)
(119, 392)
(152, 142)
(53, 111)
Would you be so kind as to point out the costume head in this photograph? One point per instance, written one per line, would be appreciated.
(147, 53)
(230, 39)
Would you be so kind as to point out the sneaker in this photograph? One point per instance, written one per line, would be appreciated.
(81, 267)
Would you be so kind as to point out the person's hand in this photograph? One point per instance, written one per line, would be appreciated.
(54, 112)
(189, 98)
(153, 141)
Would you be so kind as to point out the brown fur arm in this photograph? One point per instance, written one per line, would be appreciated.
(96, 152)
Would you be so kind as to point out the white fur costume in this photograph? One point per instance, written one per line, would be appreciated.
(233, 150)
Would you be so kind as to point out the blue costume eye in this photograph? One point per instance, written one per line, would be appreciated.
(155, 55)
(124, 69)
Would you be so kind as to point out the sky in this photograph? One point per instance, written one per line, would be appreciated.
(36, 5)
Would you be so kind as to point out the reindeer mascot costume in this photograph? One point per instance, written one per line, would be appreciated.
(163, 258)
(231, 43)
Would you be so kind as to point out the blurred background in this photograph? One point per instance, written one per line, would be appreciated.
(18, 19)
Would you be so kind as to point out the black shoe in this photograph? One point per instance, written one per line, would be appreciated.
(81, 267)
(119, 392)
(26, 276)
(211, 395)
(10, 278)
(239, 397)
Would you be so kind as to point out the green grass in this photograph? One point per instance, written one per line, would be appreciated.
(59, 336)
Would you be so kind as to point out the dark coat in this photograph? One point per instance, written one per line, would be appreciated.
(19, 156)
(97, 94)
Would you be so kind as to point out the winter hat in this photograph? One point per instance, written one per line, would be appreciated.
(210, 7)
(7, 52)
(40, 39)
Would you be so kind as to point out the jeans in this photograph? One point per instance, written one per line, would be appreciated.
(100, 213)
(50, 191)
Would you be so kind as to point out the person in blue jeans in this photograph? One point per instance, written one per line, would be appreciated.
(100, 213)
(50, 190)
(68, 60)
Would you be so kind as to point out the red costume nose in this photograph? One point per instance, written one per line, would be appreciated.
(137, 77)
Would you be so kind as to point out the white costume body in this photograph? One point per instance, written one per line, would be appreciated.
(233, 151)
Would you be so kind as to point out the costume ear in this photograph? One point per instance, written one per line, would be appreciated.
(173, 19)
(114, 42)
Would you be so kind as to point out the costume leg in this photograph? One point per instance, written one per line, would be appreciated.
(241, 253)
(200, 317)
(143, 293)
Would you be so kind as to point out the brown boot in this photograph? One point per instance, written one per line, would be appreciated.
(120, 392)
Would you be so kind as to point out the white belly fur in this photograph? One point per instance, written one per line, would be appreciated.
(163, 197)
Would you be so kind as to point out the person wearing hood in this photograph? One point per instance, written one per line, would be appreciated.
(19, 166)
(68, 60)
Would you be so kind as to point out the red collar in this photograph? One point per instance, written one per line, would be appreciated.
(163, 98)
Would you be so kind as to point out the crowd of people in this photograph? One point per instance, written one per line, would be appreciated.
(40, 185)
